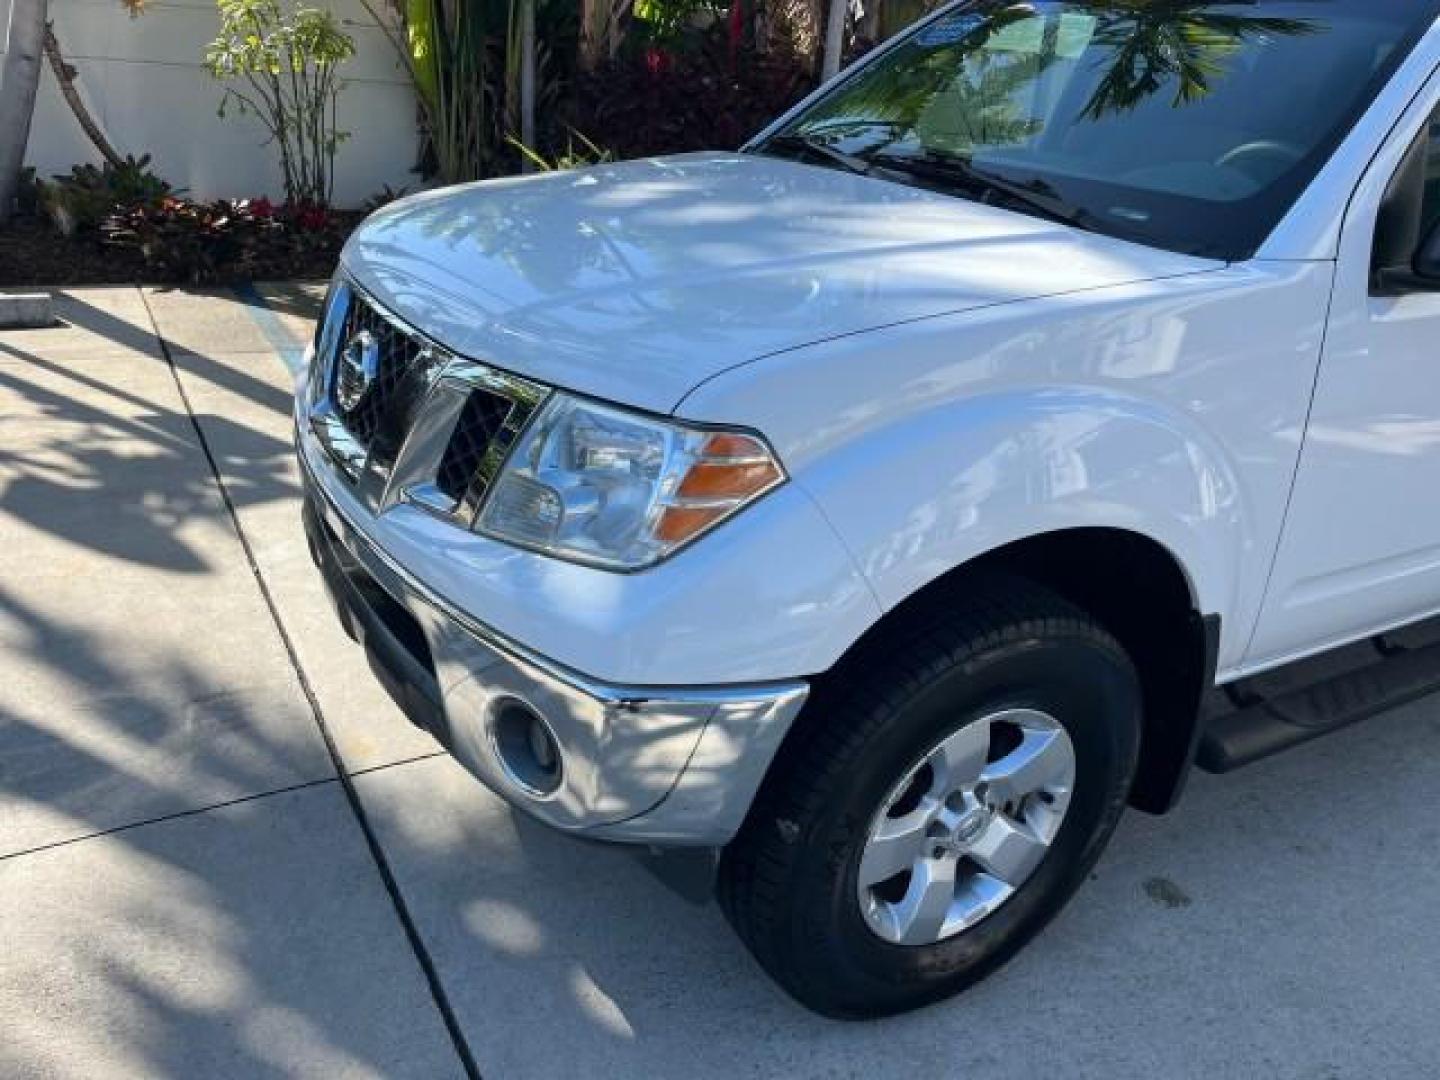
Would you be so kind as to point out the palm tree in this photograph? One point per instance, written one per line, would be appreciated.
(602, 24)
(791, 25)
(1155, 41)
(834, 39)
(1180, 47)
(32, 35)
(19, 80)
(526, 45)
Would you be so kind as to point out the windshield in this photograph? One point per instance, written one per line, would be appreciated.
(1186, 125)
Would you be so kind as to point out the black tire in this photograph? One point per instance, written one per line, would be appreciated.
(788, 882)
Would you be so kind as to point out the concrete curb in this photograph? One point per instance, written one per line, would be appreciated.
(26, 311)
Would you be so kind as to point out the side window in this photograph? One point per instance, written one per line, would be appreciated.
(1430, 204)
(1406, 253)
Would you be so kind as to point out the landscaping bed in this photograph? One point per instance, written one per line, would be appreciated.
(684, 75)
(208, 244)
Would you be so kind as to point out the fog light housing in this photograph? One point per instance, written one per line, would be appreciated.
(526, 748)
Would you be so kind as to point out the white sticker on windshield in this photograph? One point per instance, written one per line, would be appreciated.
(949, 31)
(1074, 35)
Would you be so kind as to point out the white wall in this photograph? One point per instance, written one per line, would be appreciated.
(144, 81)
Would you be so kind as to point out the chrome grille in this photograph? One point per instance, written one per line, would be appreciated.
(404, 418)
(481, 422)
(392, 386)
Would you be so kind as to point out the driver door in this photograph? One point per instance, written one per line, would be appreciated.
(1360, 551)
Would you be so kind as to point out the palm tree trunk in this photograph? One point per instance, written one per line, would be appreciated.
(602, 29)
(65, 76)
(19, 80)
(870, 27)
(594, 32)
(527, 78)
(792, 26)
(834, 39)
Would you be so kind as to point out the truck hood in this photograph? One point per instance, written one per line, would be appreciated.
(638, 281)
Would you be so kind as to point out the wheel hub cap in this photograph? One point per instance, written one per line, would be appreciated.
(968, 825)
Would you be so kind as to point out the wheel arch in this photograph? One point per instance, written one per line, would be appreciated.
(1140, 591)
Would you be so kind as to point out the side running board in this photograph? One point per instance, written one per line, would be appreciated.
(1258, 717)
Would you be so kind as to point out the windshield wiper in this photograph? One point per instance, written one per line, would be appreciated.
(1037, 197)
(805, 144)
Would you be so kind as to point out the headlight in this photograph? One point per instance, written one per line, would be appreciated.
(620, 490)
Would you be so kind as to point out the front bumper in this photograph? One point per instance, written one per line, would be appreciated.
(666, 766)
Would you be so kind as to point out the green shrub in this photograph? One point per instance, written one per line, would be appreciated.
(80, 201)
(283, 71)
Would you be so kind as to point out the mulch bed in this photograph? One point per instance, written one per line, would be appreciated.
(32, 252)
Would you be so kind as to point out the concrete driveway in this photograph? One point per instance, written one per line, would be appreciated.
(223, 853)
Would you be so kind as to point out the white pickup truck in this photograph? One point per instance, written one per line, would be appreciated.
(886, 506)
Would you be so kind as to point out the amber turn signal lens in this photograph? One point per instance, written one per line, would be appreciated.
(728, 471)
(679, 523)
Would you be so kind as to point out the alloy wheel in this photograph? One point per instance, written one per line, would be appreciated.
(966, 827)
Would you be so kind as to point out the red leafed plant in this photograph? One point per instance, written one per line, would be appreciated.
(307, 216)
(226, 240)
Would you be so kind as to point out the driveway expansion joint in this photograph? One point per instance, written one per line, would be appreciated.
(352, 796)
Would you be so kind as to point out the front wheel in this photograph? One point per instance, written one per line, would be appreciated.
(947, 790)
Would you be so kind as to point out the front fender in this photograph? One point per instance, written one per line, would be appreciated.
(962, 479)
(1171, 408)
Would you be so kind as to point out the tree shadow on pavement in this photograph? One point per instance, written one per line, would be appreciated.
(536, 934)
(142, 685)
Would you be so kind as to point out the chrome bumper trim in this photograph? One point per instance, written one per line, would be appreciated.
(648, 764)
